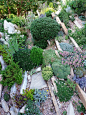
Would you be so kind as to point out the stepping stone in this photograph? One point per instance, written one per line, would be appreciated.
(37, 81)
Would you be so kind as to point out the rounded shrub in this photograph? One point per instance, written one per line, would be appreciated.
(61, 71)
(47, 73)
(36, 56)
(44, 28)
(23, 57)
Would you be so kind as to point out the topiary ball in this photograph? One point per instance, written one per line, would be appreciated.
(36, 56)
(23, 57)
(47, 73)
(44, 28)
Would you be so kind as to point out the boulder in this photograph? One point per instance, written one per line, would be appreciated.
(2, 63)
(70, 110)
(0, 86)
(24, 83)
(13, 90)
(10, 27)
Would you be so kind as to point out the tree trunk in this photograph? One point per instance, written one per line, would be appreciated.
(9, 12)
(18, 12)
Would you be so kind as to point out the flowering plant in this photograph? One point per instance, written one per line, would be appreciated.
(74, 59)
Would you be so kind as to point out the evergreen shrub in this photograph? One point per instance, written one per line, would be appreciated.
(23, 57)
(12, 74)
(44, 28)
(61, 71)
(36, 56)
(47, 73)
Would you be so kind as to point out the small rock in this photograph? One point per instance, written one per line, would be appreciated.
(2, 63)
(13, 90)
(8, 113)
(4, 105)
(29, 77)
(12, 111)
(38, 69)
(0, 86)
(22, 110)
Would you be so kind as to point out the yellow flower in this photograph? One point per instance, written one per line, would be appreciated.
(40, 93)
(47, 90)
(45, 96)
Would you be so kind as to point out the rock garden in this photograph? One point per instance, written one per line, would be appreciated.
(43, 57)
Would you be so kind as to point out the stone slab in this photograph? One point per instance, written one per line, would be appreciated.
(37, 81)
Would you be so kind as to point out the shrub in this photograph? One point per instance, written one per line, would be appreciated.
(36, 56)
(63, 15)
(41, 43)
(6, 96)
(44, 28)
(79, 35)
(47, 73)
(64, 91)
(5, 55)
(48, 11)
(49, 57)
(61, 71)
(78, 6)
(20, 21)
(23, 57)
(21, 39)
(66, 47)
(12, 74)
(13, 46)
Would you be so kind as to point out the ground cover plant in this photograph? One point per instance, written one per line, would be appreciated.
(74, 59)
(66, 47)
(40, 96)
(31, 108)
(79, 35)
(64, 92)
